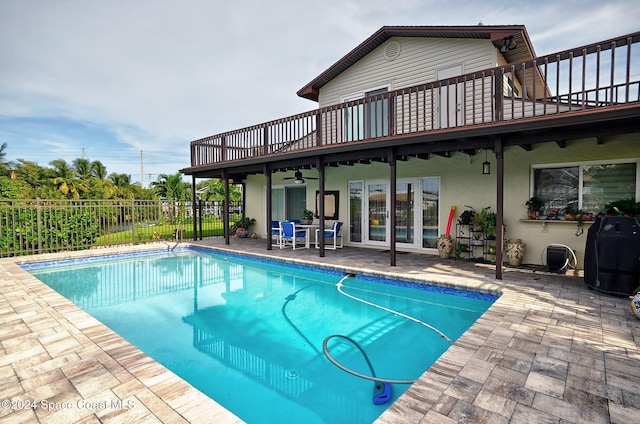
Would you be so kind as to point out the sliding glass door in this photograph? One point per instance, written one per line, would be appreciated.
(376, 220)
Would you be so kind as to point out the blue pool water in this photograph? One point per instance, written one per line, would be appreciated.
(249, 333)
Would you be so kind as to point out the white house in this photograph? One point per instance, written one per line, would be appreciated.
(416, 120)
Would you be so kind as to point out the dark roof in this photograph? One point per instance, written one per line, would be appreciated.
(524, 49)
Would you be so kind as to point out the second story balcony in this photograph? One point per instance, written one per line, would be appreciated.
(597, 82)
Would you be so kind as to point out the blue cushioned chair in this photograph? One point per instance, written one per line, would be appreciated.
(334, 234)
(289, 235)
(276, 231)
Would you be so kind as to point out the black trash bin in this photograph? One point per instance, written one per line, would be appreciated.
(612, 255)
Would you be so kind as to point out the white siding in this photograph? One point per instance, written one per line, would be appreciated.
(418, 62)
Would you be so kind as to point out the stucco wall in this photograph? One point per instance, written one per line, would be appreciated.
(462, 183)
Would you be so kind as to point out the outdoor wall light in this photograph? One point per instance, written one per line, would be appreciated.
(486, 165)
(508, 43)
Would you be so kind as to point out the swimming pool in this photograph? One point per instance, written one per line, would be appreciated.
(249, 333)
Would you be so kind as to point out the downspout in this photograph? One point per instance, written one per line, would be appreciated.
(498, 148)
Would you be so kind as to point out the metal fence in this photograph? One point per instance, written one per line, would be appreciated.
(44, 226)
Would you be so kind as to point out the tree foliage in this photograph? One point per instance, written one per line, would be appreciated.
(86, 179)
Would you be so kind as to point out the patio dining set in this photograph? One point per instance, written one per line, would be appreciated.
(296, 235)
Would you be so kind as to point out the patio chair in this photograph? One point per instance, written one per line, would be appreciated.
(276, 231)
(289, 235)
(333, 233)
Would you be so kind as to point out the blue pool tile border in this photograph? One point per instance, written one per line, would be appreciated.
(395, 282)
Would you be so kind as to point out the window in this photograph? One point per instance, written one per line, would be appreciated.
(586, 187)
(369, 119)
(288, 203)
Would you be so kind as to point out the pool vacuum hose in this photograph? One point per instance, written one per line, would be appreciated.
(382, 386)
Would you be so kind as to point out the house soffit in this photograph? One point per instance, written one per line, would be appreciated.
(523, 50)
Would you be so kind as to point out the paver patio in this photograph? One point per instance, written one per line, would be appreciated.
(548, 350)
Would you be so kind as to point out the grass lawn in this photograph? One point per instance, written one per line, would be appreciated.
(158, 232)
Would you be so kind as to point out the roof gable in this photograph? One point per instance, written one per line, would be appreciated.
(496, 34)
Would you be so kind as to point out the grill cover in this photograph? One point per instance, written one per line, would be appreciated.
(612, 255)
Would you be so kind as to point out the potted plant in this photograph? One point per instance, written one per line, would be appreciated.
(628, 207)
(466, 217)
(534, 206)
(242, 225)
(461, 248)
(570, 213)
(307, 217)
(486, 221)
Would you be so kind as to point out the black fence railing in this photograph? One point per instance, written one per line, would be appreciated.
(43, 226)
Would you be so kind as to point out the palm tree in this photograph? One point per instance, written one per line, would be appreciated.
(98, 170)
(83, 168)
(66, 179)
(212, 190)
(171, 187)
(4, 166)
(101, 187)
(2, 153)
(122, 183)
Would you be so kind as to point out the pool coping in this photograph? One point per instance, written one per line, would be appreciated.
(527, 358)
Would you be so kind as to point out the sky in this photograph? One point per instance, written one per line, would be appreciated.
(132, 82)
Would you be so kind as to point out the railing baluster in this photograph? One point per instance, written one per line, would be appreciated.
(613, 64)
(407, 110)
(628, 76)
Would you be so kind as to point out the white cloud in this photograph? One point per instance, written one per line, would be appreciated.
(157, 74)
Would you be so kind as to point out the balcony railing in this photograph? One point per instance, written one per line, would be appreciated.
(597, 76)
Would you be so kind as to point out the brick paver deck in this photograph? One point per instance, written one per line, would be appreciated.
(548, 350)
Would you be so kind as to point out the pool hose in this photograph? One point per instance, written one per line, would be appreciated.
(382, 387)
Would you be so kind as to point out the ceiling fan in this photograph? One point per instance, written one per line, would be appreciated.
(297, 178)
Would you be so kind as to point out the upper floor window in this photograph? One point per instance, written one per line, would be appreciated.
(587, 187)
(369, 119)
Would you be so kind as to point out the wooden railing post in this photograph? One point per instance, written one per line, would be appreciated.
(319, 141)
(265, 140)
(499, 95)
(223, 147)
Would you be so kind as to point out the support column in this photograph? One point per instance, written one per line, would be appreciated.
(320, 166)
(392, 212)
(225, 220)
(267, 173)
(194, 208)
(498, 148)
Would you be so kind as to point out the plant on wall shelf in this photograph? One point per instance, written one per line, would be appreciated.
(534, 207)
(570, 212)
